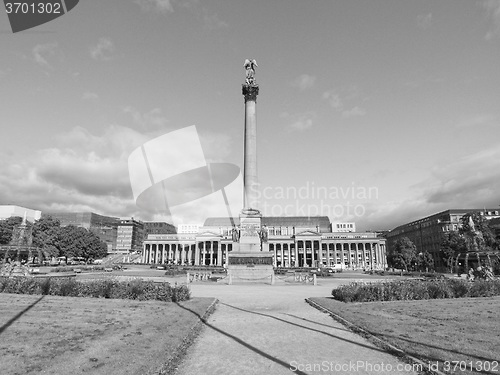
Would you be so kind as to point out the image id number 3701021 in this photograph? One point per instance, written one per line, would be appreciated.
(33, 8)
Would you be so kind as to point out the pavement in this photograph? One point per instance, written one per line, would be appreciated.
(270, 329)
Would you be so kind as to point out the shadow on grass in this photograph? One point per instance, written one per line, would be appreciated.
(427, 345)
(11, 321)
(245, 344)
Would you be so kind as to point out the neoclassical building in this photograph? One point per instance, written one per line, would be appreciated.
(294, 241)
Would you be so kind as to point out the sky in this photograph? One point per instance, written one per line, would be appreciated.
(376, 112)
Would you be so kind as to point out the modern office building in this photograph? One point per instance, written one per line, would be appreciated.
(10, 210)
(294, 242)
(129, 236)
(427, 233)
(158, 227)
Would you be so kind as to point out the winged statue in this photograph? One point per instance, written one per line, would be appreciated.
(250, 68)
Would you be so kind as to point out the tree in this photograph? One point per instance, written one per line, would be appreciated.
(79, 242)
(7, 228)
(403, 255)
(481, 233)
(46, 235)
(452, 244)
(425, 261)
(94, 247)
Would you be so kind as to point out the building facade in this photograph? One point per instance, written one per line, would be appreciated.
(10, 210)
(158, 227)
(130, 235)
(105, 227)
(294, 242)
(427, 233)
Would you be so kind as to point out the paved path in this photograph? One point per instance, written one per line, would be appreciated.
(260, 329)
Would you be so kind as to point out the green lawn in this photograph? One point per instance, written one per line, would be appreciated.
(70, 335)
(464, 330)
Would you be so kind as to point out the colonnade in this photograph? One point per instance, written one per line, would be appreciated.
(361, 254)
(316, 253)
(201, 253)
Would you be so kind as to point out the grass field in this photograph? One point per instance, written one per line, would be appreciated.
(461, 335)
(70, 335)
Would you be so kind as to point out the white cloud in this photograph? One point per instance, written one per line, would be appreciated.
(162, 6)
(103, 49)
(473, 180)
(82, 172)
(43, 52)
(493, 10)
(154, 119)
(424, 21)
(300, 122)
(212, 21)
(304, 81)
(88, 95)
(356, 111)
(334, 99)
(344, 102)
(484, 119)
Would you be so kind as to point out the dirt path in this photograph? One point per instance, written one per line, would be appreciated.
(265, 329)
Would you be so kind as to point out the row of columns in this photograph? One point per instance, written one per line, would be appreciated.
(203, 253)
(314, 253)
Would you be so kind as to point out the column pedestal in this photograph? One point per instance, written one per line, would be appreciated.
(247, 262)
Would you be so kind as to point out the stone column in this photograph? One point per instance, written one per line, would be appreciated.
(197, 254)
(219, 253)
(250, 92)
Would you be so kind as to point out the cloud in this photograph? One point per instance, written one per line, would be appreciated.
(43, 52)
(88, 95)
(473, 180)
(343, 102)
(300, 122)
(424, 21)
(493, 12)
(212, 21)
(82, 172)
(484, 119)
(304, 81)
(103, 49)
(162, 6)
(154, 119)
(356, 111)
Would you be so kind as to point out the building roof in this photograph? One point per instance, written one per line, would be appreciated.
(276, 221)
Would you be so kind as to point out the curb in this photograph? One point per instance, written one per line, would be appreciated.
(391, 349)
(178, 354)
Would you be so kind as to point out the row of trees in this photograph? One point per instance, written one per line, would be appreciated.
(56, 241)
(474, 233)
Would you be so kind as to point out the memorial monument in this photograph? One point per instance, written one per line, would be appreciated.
(250, 259)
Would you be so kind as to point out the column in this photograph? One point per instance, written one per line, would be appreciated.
(203, 251)
(312, 253)
(219, 253)
(197, 254)
(211, 253)
(296, 251)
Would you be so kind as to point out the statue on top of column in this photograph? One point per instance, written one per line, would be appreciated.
(250, 69)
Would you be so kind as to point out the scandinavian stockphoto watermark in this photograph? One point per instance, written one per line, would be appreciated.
(360, 366)
(26, 14)
(310, 199)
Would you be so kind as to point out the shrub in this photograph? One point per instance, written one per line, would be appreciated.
(107, 288)
(416, 290)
